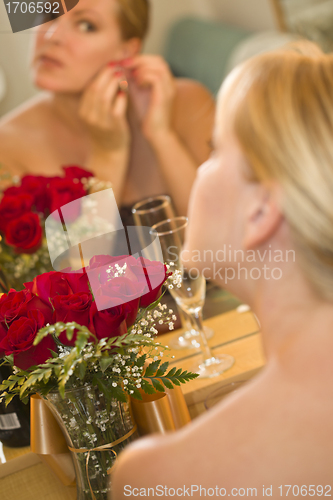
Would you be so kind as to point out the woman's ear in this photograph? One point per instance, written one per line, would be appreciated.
(264, 215)
(132, 47)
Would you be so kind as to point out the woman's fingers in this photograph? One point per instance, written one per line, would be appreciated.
(105, 99)
(99, 97)
(103, 91)
(103, 109)
(120, 105)
(145, 60)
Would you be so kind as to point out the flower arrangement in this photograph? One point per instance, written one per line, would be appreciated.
(84, 341)
(23, 210)
(59, 335)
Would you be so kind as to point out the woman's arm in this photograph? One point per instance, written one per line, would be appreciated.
(178, 124)
(187, 144)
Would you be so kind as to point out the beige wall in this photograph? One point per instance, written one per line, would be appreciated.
(252, 14)
(14, 49)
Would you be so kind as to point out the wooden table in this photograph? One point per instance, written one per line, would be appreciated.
(236, 333)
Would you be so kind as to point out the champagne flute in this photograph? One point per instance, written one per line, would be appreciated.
(146, 213)
(153, 210)
(189, 292)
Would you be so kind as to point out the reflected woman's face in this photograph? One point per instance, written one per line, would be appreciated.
(71, 49)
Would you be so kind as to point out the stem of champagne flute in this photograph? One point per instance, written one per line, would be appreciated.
(197, 322)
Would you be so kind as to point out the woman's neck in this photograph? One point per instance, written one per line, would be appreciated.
(66, 107)
(296, 324)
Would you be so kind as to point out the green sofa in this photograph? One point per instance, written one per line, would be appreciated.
(201, 49)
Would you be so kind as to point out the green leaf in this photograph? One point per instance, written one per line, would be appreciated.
(11, 384)
(44, 332)
(167, 382)
(70, 332)
(162, 369)
(152, 368)
(119, 394)
(157, 384)
(105, 362)
(172, 372)
(9, 398)
(82, 369)
(140, 361)
(47, 375)
(175, 381)
(136, 393)
(147, 387)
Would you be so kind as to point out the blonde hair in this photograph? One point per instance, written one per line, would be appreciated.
(133, 16)
(280, 105)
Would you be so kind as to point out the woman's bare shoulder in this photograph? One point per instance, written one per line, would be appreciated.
(194, 113)
(18, 129)
(255, 436)
(194, 94)
(186, 85)
(27, 113)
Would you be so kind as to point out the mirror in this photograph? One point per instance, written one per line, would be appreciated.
(312, 19)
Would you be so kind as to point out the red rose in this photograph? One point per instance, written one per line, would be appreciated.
(19, 341)
(78, 281)
(152, 273)
(14, 191)
(75, 172)
(121, 291)
(48, 285)
(109, 322)
(64, 191)
(3, 333)
(104, 267)
(103, 260)
(36, 186)
(13, 207)
(53, 283)
(73, 307)
(16, 304)
(98, 264)
(25, 233)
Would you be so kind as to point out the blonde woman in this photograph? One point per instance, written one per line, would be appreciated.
(266, 191)
(146, 142)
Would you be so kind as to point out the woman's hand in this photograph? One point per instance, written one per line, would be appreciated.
(103, 109)
(149, 71)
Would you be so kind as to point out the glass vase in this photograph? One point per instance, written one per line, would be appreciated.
(90, 420)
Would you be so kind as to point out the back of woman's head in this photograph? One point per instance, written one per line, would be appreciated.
(133, 18)
(280, 107)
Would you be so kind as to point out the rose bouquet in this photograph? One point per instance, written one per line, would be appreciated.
(23, 210)
(57, 334)
(84, 341)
